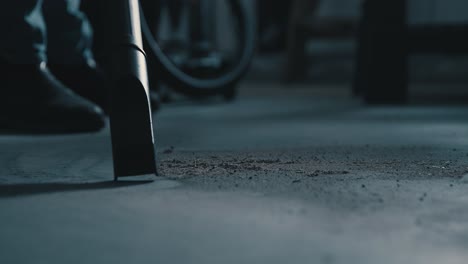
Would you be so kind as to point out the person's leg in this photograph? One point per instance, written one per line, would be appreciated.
(23, 32)
(69, 33)
(69, 36)
(31, 98)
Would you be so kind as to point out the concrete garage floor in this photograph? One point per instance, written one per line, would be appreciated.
(297, 175)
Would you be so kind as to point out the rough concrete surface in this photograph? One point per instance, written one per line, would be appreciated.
(298, 175)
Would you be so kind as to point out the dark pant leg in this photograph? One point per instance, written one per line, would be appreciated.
(23, 32)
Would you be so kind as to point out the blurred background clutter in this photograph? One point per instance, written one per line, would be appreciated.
(306, 42)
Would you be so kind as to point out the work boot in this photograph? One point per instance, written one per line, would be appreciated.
(87, 80)
(33, 100)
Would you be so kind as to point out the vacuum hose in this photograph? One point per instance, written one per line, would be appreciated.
(190, 85)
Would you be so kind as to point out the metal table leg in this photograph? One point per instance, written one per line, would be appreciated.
(385, 73)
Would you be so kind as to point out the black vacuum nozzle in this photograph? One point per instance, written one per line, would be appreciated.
(130, 116)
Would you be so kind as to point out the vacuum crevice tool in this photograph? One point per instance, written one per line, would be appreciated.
(130, 109)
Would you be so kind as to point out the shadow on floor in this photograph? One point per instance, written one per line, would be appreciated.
(15, 190)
